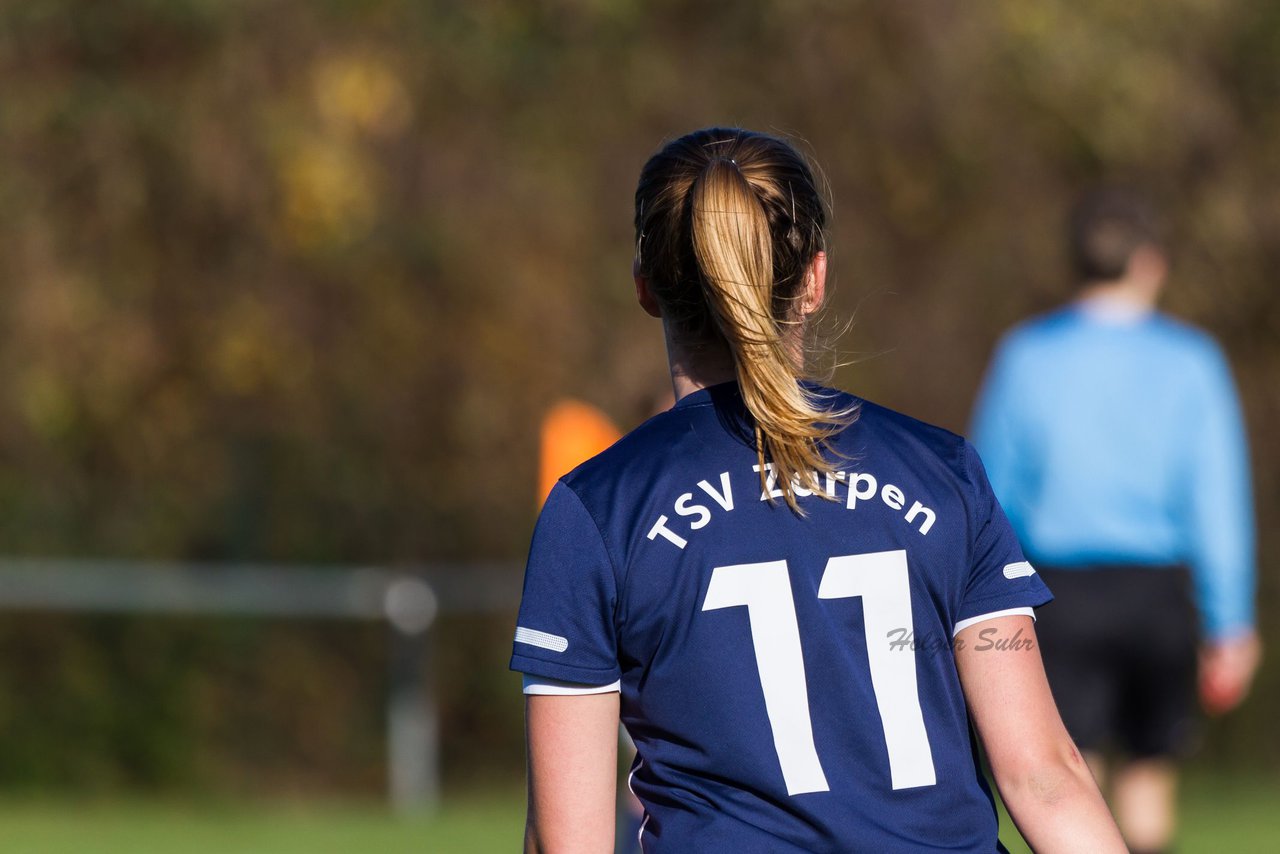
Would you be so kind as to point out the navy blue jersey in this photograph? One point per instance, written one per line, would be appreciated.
(789, 681)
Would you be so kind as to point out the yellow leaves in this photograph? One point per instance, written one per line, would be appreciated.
(1029, 20)
(58, 318)
(46, 402)
(361, 93)
(328, 194)
(329, 186)
(253, 351)
(1111, 73)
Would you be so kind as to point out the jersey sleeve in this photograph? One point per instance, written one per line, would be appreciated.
(1000, 577)
(1221, 529)
(565, 629)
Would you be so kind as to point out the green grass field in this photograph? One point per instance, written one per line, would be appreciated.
(1222, 815)
(477, 823)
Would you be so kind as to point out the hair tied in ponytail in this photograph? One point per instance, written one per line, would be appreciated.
(729, 255)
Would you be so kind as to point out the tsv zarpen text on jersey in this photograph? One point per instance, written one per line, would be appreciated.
(697, 509)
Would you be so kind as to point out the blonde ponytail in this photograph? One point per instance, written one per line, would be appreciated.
(728, 224)
(734, 247)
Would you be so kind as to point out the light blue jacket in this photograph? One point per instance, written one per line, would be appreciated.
(1115, 436)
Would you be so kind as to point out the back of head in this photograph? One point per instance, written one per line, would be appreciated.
(1106, 227)
(728, 224)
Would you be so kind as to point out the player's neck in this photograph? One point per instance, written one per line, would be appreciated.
(1137, 295)
(698, 366)
(1137, 288)
(703, 364)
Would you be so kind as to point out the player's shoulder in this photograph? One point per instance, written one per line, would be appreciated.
(910, 450)
(1027, 346)
(638, 459)
(880, 429)
(1185, 337)
(877, 416)
(1039, 330)
(628, 459)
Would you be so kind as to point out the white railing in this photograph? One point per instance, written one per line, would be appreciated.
(409, 601)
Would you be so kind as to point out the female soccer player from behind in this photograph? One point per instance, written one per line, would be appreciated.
(796, 600)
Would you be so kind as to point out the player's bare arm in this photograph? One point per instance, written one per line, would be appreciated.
(1042, 778)
(573, 756)
(1227, 668)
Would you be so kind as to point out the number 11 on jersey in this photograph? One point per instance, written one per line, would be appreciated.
(880, 578)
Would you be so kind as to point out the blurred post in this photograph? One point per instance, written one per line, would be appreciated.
(407, 603)
(413, 723)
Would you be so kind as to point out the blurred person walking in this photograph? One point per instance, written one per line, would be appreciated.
(796, 600)
(1113, 438)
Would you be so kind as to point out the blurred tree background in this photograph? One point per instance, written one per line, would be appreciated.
(294, 281)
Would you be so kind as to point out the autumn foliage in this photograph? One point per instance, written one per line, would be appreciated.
(295, 281)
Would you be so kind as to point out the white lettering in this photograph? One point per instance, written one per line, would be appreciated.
(725, 496)
(770, 484)
(892, 496)
(929, 516)
(660, 528)
(855, 493)
(684, 509)
(861, 486)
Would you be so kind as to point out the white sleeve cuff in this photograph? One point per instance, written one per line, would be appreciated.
(1007, 612)
(558, 687)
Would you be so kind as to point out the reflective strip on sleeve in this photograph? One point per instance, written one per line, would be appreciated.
(542, 640)
(560, 688)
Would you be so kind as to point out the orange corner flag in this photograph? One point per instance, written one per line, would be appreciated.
(572, 433)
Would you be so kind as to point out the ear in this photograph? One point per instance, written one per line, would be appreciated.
(815, 285)
(643, 294)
